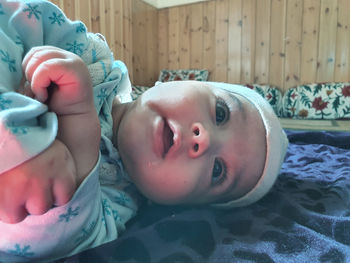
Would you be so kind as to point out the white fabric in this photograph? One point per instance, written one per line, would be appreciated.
(276, 141)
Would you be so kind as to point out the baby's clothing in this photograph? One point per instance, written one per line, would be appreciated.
(104, 202)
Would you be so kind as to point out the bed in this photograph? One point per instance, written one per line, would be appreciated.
(305, 217)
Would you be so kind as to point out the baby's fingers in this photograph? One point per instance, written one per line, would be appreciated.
(44, 76)
(40, 200)
(38, 55)
(13, 215)
(33, 52)
(38, 69)
(63, 190)
(65, 185)
(12, 197)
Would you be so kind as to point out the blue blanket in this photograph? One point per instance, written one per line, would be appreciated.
(305, 218)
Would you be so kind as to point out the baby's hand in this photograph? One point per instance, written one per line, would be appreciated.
(36, 185)
(58, 78)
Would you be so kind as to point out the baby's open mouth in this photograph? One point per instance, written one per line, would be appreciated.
(168, 137)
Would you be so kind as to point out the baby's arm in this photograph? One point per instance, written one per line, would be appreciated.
(64, 76)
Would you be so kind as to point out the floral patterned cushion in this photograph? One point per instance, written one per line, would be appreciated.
(318, 101)
(137, 91)
(272, 94)
(188, 74)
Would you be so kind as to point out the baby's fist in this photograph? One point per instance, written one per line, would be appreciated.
(35, 186)
(58, 78)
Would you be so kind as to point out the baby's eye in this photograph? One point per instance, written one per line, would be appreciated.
(221, 112)
(219, 171)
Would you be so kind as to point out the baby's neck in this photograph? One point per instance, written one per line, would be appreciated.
(118, 111)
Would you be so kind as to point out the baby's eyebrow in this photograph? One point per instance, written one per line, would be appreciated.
(239, 104)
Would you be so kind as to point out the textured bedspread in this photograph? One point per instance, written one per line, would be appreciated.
(305, 218)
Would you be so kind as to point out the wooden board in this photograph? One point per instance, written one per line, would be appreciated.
(319, 125)
(293, 43)
(309, 48)
(277, 43)
(342, 59)
(221, 44)
(248, 41)
(327, 40)
(163, 40)
(185, 36)
(196, 56)
(235, 41)
(209, 44)
(174, 33)
(262, 42)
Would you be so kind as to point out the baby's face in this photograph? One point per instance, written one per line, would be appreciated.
(187, 142)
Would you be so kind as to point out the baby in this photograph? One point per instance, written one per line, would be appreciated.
(181, 142)
(178, 143)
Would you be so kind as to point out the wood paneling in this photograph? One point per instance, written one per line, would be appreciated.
(277, 42)
(139, 47)
(235, 40)
(327, 40)
(221, 43)
(293, 43)
(163, 40)
(174, 38)
(196, 32)
(310, 34)
(262, 41)
(185, 44)
(342, 59)
(208, 51)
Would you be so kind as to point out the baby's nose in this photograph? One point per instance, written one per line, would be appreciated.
(200, 140)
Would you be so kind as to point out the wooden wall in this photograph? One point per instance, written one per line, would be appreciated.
(277, 42)
(145, 43)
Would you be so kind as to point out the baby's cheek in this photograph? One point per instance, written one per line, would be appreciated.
(170, 189)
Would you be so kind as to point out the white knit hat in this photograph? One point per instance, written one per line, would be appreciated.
(276, 142)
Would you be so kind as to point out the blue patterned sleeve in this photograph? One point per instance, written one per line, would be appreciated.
(97, 213)
(26, 126)
(92, 217)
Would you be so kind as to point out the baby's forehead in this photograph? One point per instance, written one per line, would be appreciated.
(185, 83)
